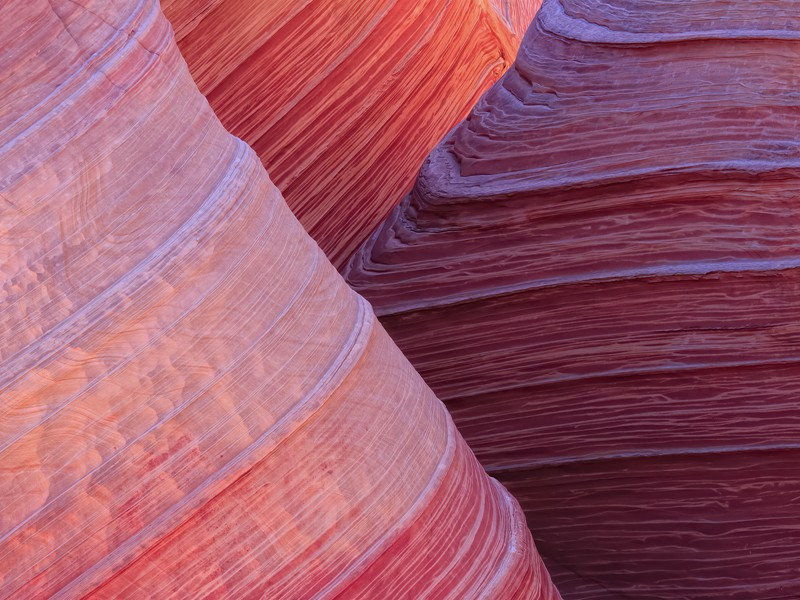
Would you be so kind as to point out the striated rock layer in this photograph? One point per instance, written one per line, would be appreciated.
(342, 99)
(194, 404)
(598, 273)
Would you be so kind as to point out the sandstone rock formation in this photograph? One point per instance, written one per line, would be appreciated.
(598, 273)
(193, 402)
(342, 99)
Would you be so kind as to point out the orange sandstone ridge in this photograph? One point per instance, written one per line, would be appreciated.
(342, 100)
(194, 404)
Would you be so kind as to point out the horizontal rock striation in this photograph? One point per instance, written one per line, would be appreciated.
(598, 273)
(194, 404)
(341, 99)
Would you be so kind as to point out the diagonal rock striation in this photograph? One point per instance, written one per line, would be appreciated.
(193, 402)
(342, 100)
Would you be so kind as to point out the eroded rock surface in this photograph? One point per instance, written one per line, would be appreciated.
(598, 273)
(194, 404)
(342, 99)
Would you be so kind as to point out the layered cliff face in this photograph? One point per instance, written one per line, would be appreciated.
(194, 404)
(342, 100)
(597, 271)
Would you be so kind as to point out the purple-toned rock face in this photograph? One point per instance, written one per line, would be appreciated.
(598, 272)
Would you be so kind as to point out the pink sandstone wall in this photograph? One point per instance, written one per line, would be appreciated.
(194, 404)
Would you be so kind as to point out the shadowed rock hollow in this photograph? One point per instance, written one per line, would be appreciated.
(597, 272)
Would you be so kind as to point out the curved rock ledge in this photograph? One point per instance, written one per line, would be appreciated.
(597, 272)
(194, 404)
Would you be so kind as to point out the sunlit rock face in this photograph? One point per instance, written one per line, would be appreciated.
(342, 99)
(598, 273)
(194, 404)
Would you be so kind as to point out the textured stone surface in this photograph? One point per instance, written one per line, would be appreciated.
(342, 99)
(194, 404)
(597, 272)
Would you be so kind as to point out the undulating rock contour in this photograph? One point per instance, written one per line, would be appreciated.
(598, 273)
(193, 402)
(342, 99)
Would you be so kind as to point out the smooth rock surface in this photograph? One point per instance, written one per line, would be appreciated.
(193, 403)
(598, 273)
(342, 99)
